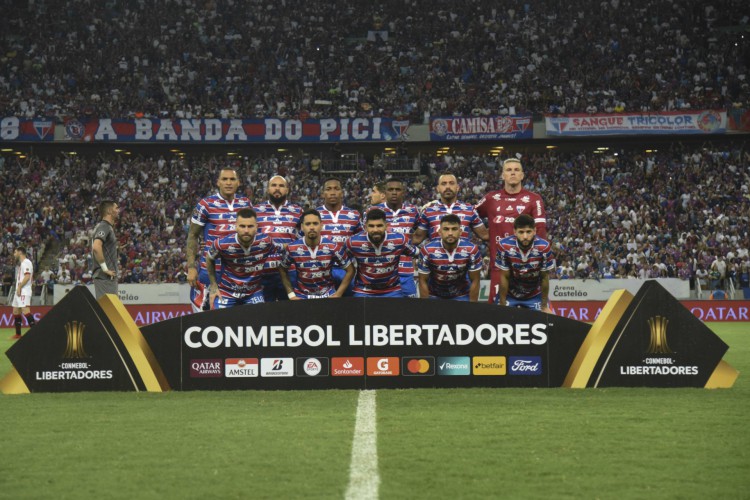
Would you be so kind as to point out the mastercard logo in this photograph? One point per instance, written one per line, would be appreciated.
(418, 366)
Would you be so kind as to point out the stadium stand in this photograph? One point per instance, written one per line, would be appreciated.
(325, 58)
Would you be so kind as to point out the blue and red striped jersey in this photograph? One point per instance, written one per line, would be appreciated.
(242, 269)
(429, 220)
(339, 226)
(448, 269)
(218, 217)
(403, 221)
(377, 267)
(525, 268)
(314, 265)
(280, 224)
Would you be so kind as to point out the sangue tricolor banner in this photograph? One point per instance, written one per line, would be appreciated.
(646, 340)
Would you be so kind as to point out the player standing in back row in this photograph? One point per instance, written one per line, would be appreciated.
(278, 218)
(401, 218)
(428, 225)
(338, 222)
(501, 208)
(213, 217)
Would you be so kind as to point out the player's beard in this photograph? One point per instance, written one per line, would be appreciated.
(448, 195)
(376, 238)
(246, 240)
(277, 199)
(525, 247)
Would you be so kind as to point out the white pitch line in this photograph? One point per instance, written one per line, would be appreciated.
(364, 479)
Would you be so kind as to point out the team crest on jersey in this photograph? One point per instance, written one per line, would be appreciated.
(463, 253)
(520, 208)
(324, 251)
(390, 246)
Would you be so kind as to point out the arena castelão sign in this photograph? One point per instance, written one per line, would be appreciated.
(646, 340)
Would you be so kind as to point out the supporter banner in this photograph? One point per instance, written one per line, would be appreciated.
(646, 340)
(16, 129)
(162, 293)
(481, 128)
(672, 122)
(202, 130)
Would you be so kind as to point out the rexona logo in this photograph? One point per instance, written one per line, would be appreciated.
(454, 365)
(277, 367)
(241, 367)
(382, 367)
(347, 367)
(418, 366)
(488, 365)
(312, 367)
(525, 365)
(205, 368)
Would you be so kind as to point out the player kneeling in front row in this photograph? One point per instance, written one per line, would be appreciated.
(445, 262)
(243, 256)
(314, 258)
(524, 261)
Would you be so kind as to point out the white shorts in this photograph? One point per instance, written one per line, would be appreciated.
(23, 301)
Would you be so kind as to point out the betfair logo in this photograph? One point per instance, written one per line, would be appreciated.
(489, 365)
(74, 348)
(658, 344)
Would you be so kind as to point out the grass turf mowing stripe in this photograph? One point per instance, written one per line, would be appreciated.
(364, 479)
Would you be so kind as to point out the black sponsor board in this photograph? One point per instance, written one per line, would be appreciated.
(75, 347)
(657, 343)
(649, 340)
(365, 343)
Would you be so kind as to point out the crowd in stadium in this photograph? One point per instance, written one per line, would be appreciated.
(616, 214)
(293, 58)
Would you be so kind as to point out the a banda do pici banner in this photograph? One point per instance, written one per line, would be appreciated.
(646, 340)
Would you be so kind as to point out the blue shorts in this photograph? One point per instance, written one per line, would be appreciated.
(408, 287)
(532, 303)
(227, 302)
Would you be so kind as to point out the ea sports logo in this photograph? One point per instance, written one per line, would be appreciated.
(312, 367)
